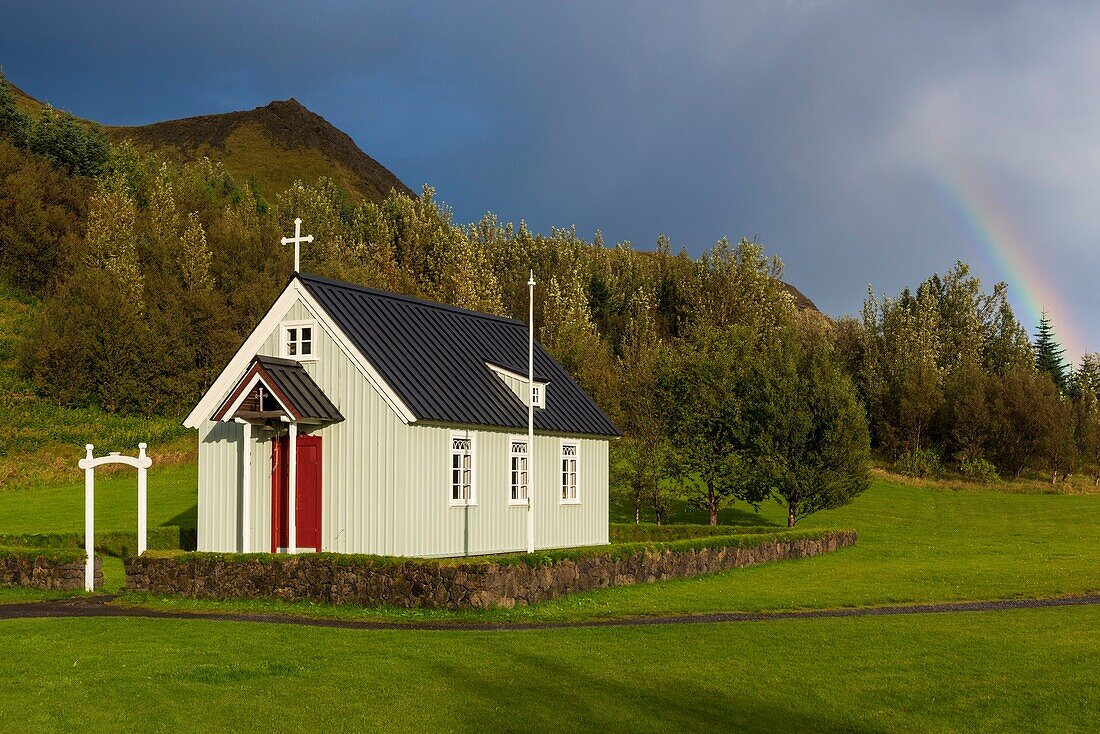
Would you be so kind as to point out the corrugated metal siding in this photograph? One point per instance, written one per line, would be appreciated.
(386, 485)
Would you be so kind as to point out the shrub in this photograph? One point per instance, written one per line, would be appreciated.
(979, 470)
(634, 532)
(61, 555)
(115, 544)
(924, 464)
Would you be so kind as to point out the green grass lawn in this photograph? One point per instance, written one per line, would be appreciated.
(57, 507)
(1004, 671)
(1034, 670)
(916, 545)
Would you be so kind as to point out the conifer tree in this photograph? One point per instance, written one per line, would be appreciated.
(13, 124)
(1048, 353)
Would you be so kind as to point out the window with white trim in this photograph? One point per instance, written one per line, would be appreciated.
(299, 340)
(517, 471)
(570, 453)
(462, 470)
(538, 395)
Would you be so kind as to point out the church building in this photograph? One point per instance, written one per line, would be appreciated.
(354, 420)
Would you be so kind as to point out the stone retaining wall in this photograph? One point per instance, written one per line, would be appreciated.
(375, 581)
(45, 572)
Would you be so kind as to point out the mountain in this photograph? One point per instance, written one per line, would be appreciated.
(272, 146)
(801, 300)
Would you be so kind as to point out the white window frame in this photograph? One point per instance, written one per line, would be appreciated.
(284, 338)
(538, 394)
(576, 458)
(470, 501)
(512, 455)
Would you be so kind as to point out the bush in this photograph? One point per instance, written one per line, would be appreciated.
(538, 559)
(979, 470)
(635, 532)
(923, 464)
(61, 555)
(115, 544)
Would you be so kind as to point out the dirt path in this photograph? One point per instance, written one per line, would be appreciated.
(101, 606)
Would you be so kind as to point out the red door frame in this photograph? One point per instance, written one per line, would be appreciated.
(308, 491)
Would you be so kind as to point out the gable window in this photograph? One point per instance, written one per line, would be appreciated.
(569, 454)
(462, 471)
(299, 340)
(517, 472)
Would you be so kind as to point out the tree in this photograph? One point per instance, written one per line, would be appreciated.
(706, 391)
(644, 441)
(1048, 353)
(1021, 408)
(13, 123)
(816, 447)
(79, 148)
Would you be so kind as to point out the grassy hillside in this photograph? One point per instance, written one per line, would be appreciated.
(272, 145)
(42, 442)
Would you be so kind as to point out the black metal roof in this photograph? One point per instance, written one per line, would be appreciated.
(434, 357)
(305, 396)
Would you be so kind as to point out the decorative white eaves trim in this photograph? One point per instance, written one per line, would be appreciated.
(294, 292)
(509, 373)
(257, 379)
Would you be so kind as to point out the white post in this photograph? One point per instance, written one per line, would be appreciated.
(89, 520)
(142, 503)
(246, 488)
(530, 413)
(292, 491)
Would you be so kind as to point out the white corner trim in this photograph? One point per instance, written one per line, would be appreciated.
(293, 293)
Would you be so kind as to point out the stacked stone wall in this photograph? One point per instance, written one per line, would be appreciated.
(451, 584)
(45, 570)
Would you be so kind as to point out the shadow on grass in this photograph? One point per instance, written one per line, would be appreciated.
(560, 697)
(188, 522)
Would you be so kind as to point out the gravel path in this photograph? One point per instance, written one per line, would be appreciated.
(101, 606)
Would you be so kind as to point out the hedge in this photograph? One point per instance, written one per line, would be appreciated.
(634, 532)
(61, 555)
(464, 583)
(118, 544)
(535, 560)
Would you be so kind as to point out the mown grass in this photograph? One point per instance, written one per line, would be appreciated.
(1033, 670)
(42, 442)
(915, 545)
(58, 507)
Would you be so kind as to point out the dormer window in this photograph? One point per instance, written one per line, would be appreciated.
(538, 395)
(299, 340)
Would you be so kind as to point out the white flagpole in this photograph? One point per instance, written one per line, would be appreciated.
(530, 413)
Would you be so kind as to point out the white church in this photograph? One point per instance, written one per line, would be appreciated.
(354, 420)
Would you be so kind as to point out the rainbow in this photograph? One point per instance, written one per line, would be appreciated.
(1002, 244)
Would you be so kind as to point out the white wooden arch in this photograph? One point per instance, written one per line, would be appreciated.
(141, 462)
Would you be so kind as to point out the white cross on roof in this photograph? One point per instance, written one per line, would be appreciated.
(297, 240)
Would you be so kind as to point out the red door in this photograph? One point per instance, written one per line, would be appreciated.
(308, 490)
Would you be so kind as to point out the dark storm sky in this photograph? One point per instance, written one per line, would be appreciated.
(862, 142)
